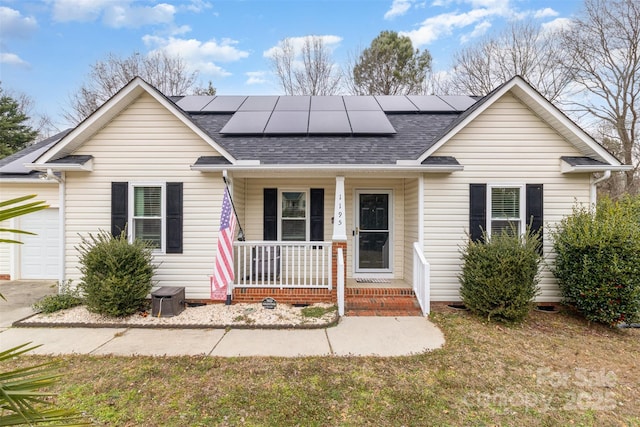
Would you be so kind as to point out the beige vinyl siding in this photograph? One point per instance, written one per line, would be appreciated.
(46, 191)
(506, 144)
(239, 186)
(148, 144)
(411, 232)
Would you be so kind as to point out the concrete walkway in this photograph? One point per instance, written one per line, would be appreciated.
(353, 336)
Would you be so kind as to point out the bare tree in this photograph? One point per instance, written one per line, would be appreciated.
(167, 73)
(605, 42)
(521, 49)
(311, 71)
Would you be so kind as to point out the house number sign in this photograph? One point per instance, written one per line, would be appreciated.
(269, 303)
(339, 223)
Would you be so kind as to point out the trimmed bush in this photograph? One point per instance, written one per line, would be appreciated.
(116, 275)
(499, 278)
(66, 297)
(598, 260)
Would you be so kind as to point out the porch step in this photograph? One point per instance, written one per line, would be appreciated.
(381, 302)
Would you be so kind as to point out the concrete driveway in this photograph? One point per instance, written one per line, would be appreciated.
(19, 296)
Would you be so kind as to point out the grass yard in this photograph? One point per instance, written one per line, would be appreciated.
(556, 369)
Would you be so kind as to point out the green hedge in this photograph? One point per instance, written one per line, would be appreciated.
(499, 278)
(116, 275)
(598, 260)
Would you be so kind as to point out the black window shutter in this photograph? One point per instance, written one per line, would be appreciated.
(174, 218)
(317, 215)
(477, 211)
(534, 208)
(270, 225)
(119, 207)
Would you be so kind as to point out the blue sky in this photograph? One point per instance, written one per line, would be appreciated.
(47, 46)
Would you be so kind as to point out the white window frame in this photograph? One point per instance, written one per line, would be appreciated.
(307, 212)
(163, 212)
(521, 219)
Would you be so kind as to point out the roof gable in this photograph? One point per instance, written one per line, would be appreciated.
(539, 106)
(109, 110)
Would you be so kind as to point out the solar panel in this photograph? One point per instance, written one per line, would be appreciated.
(247, 122)
(287, 122)
(194, 103)
(396, 104)
(293, 103)
(327, 103)
(224, 104)
(361, 103)
(430, 103)
(459, 102)
(329, 122)
(259, 103)
(370, 122)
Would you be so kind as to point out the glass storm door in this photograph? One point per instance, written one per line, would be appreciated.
(373, 232)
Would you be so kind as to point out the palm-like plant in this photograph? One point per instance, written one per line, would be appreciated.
(21, 401)
(21, 398)
(15, 209)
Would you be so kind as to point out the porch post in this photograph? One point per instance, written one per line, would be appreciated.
(339, 237)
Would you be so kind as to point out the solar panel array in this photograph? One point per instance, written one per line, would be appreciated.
(276, 115)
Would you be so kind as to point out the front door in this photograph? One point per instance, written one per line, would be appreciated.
(373, 231)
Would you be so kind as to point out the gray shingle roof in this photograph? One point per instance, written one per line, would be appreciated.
(582, 161)
(13, 164)
(416, 132)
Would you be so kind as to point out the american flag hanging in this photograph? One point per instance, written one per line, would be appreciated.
(223, 272)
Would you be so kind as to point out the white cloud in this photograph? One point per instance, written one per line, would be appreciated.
(114, 13)
(198, 55)
(398, 8)
(81, 10)
(329, 41)
(556, 24)
(198, 6)
(14, 25)
(256, 77)
(545, 13)
(12, 59)
(135, 17)
(443, 25)
(478, 31)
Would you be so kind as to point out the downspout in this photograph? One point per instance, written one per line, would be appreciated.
(61, 218)
(593, 196)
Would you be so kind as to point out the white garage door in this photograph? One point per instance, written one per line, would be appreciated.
(40, 254)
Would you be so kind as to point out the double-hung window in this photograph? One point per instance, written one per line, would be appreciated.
(148, 213)
(294, 216)
(506, 208)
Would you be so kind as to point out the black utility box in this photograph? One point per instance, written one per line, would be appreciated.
(167, 301)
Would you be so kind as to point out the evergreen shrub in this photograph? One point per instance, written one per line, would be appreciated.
(116, 274)
(598, 260)
(499, 278)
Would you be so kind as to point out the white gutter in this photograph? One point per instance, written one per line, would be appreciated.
(329, 168)
(593, 195)
(61, 219)
(60, 167)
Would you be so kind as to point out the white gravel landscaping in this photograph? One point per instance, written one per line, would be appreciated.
(213, 315)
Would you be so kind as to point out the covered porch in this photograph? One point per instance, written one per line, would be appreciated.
(321, 236)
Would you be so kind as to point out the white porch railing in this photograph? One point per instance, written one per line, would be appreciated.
(421, 279)
(275, 264)
(340, 284)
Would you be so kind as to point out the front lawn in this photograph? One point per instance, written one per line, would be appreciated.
(555, 369)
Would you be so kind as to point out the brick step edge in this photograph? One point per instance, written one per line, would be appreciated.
(377, 304)
(379, 292)
(384, 313)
